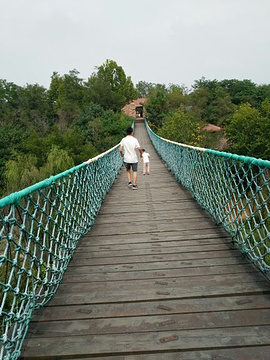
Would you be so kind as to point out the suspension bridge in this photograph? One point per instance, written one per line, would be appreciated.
(175, 270)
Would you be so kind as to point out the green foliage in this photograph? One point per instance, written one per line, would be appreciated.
(245, 131)
(11, 137)
(66, 94)
(241, 91)
(156, 106)
(210, 102)
(43, 132)
(35, 111)
(162, 100)
(75, 143)
(264, 135)
(265, 107)
(262, 95)
(175, 97)
(180, 126)
(78, 119)
(21, 172)
(144, 88)
(58, 161)
(110, 87)
(91, 112)
(239, 107)
(104, 128)
(9, 102)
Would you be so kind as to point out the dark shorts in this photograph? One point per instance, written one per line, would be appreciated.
(134, 166)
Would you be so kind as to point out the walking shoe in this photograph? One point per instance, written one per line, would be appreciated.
(134, 187)
(130, 184)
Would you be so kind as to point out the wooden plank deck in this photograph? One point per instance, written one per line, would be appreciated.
(154, 279)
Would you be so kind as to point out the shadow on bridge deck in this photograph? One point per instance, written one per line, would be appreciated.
(155, 279)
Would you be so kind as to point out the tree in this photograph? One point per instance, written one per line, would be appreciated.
(20, 172)
(9, 102)
(89, 113)
(53, 93)
(245, 131)
(144, 88)
(156, 105)
(110, 87)
(11, 138)
(262, 94)
(34, 108)
(180, 126)
(211, 102)
(74, 142)
(67, 95)
(241, 91)
(265, 131)
(175, 96)
(58, 161)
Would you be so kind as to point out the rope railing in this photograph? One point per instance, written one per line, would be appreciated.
(39, 230)
(234, 189)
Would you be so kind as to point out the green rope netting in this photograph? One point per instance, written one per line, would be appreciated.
(234, 189)
(40, 226)
(39, 230)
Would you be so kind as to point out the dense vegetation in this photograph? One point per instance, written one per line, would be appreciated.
(45, 131)
(240, 107)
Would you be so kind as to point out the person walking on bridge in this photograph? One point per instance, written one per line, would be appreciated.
(146, 162)
(128, 147)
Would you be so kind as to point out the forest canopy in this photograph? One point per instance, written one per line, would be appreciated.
(46, 131)
(240, 108)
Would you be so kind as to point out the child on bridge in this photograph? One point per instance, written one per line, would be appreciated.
(146, 162)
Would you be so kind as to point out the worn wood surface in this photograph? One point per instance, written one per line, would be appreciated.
(155, 279)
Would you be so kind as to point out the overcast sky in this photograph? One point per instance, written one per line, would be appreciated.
(158, 41)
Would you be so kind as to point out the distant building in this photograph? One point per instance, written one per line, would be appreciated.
(135, 109)
(211, 127)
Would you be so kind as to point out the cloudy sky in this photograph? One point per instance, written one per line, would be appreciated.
(159, 41)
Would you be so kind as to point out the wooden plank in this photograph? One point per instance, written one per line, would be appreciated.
(142, 216)
(176, 322)
(159, 207)
(178, 306)
(156, 291)
(154, 225)
(156, 265)
(185, 235)
(150, 251)
(157, 274)
(248, 353)
(168, 282)
(153, 258)
(149, 243)
(122, 196)
(159, 341)
(109, 207)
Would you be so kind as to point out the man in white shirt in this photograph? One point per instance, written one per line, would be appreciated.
(128, 147)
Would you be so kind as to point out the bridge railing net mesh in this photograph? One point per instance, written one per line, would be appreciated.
(39, 232)
(235, 190)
